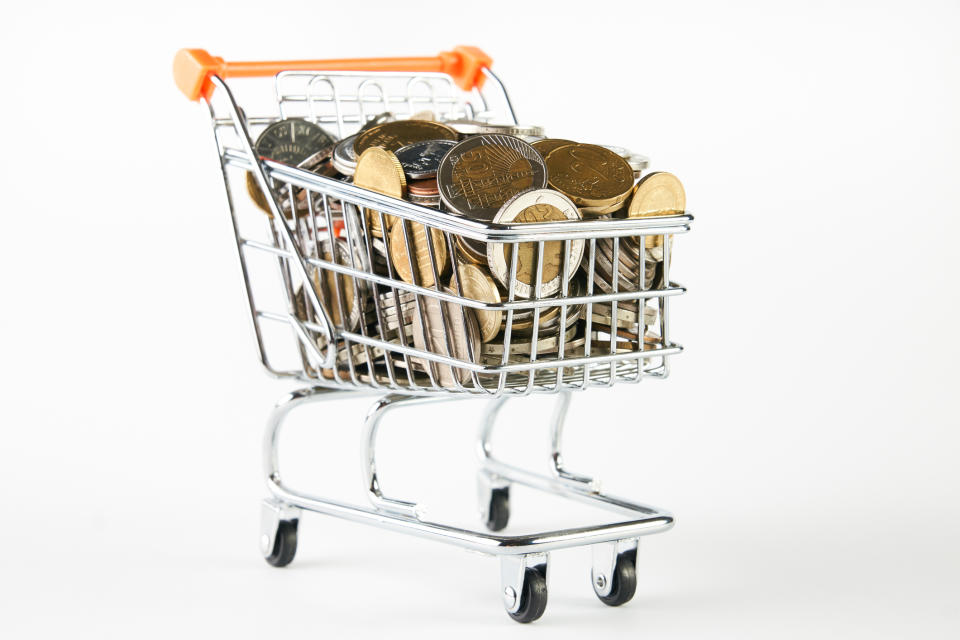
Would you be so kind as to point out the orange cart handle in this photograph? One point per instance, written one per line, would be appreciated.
(192, 68)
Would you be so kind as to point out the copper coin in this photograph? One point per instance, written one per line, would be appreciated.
(423, 187)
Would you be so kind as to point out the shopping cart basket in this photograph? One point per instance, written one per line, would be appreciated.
(327, 315)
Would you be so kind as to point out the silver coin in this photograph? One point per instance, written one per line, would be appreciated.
(638, 162)
(380, 118)
(545, 344)
(476, 127)
(620, 151)
(479, 174)
(446, 327)
(421, 159)
(344, 156)
(352, 290)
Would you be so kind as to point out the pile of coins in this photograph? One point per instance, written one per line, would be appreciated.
(500, 174)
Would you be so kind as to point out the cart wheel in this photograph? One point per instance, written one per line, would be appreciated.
(533, 599)
(498, 513)
(624, 582)
(284, 544)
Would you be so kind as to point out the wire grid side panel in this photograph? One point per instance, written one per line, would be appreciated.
(342, 102)
(404, 320)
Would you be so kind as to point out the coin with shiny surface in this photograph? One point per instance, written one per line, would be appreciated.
(476, 127)
(658, 194)
(292, 141)
(481, 173)
(463, 337)
(479, 286)
(400, 133)
(590, 175)
(345, 157)
(545, 146)
(421, 262)
(540, 205)
(420, 160)
(379, 170)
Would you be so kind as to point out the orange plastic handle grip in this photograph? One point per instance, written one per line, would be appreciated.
(192, 68)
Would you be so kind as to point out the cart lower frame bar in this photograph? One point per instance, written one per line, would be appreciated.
(519, 553)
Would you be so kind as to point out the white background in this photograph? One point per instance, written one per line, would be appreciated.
(807, 440)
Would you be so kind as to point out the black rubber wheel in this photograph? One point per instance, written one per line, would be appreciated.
(284, 544)
(624, 581)
(498, 513)
(533, 600)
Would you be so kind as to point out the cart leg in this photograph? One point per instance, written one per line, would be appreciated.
(523, 582)
(371, 426)
(279, 521)
(493, 491)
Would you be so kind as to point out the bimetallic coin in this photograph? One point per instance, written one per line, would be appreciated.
(475, 127)
(545, 146)
(539, 205)
(402, 263)
(379, 170)
(481, 173)
(657, 194)
(590, 175)
(421, 159)
(399, 133)
(479, 286)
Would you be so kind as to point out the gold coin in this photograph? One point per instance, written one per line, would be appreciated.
(479, 286)
(545, 146)
(470, 250)
(399, 133)
(657, 194)
(379, 170)
(418, 238)
(590, 175)
(256, 194)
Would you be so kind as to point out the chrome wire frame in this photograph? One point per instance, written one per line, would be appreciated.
(516, 551)
(367, 355)
(381, 362)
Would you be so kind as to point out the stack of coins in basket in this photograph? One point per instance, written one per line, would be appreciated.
(505, 174)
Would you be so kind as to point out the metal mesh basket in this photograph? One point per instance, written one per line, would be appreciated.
(601, 318)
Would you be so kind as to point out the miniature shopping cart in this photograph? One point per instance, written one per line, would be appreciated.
(285, 255)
